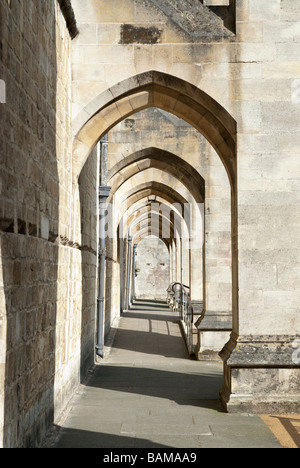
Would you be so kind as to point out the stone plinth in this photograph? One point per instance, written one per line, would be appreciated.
(214, 330)
(262, 375)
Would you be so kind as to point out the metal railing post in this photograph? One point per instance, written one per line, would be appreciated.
(179, 299)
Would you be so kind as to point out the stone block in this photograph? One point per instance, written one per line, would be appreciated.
(216, 2)
(256, 53)
(275, 391)
(290, 11)
(250, 32)
(269, 10)
(211, 343)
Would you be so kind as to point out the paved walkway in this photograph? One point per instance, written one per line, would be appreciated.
(149, 394)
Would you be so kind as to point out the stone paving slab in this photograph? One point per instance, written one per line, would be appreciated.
(149, 394)
(168, 428)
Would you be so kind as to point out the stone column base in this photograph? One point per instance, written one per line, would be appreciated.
(209, 344)
(214, 331)
(261, 375)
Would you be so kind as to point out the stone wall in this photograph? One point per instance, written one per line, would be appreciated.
(40, 287)
(88, 191)
(152, 269)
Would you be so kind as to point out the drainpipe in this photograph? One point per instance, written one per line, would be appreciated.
(103, 196)
(133, 274)
(104, 192)
(128, 272)
(121, 247)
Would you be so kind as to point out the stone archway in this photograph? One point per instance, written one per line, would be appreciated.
(171, 94)
(161, 159)
(155, 89)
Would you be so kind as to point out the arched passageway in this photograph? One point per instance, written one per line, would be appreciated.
(153, 172)
(194, 111)
(159, 159)
(155, 89)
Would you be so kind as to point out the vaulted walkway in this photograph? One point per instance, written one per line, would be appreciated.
(149, 394)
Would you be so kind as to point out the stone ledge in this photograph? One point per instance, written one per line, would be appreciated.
(270, 405)
(214, 321)
(261, 351)
(195, 19)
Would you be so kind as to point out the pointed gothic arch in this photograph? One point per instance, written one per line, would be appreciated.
(169, 93)
(184, 100)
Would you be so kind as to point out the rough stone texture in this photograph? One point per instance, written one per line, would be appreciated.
(139, 35)
(152, 270)
(88, 188)
(267, 351)
(241, 92)
(271, 389)
(269, 360)
(193, 18)
(40, 279)
(32, 157)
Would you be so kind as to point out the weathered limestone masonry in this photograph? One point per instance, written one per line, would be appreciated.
(41, 303)
(245, 57)
(228, 68)
(88, 204)
(152, 270)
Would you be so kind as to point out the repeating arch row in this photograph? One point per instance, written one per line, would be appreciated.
(155, 89)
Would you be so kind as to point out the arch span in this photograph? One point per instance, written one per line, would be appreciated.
(164, 213)
(155, 89)
(144, 234)
(176, 96)
(159, 159)
(158, 189)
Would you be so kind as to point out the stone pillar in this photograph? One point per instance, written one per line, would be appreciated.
(178, 259)
(261, 359)
(197, 269)
(128, 272)
(174, 260)
(185, 256)
(133, 273)
(196, 254)
(103, 160)
(171, 262)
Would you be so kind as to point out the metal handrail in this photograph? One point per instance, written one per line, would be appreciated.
(179, 299)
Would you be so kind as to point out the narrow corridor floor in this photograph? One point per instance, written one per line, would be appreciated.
(148, 393)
